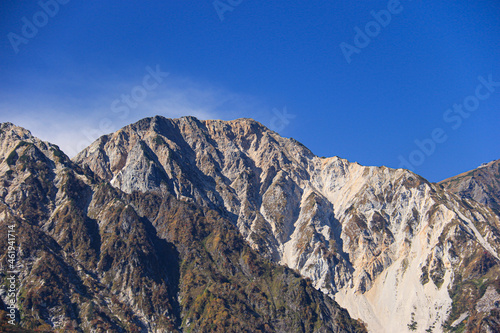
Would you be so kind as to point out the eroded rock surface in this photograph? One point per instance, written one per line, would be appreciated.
(395, 250)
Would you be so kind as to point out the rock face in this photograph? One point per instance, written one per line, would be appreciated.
(481, 184)
(92, 258)
(398, 252)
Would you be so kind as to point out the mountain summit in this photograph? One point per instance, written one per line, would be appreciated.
(89, 257)
(395, 250)
(481, 184)
(227, 214)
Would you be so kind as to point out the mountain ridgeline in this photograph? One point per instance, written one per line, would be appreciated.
(92, 258)
(225, 226)
(481, 185)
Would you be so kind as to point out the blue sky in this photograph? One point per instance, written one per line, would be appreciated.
(280, 63)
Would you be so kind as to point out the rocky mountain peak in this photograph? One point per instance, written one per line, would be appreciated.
(18, 143)
(366, 236)
(90, 257)
(10, 134)
(397, 251)
(481, 184)
(14, 131)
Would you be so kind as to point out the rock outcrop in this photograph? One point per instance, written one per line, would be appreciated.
(398, 252)
(481, 184)
(91, 258)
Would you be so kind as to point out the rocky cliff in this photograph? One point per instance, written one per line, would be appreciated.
(90, 257)
(481, 184)
(398, 252)
(220, 226)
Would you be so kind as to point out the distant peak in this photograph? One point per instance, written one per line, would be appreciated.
(6, 125)
(487, 164)
(191, 118)
(9, 125)
(17, 130)
(245, 122)
(153, 122)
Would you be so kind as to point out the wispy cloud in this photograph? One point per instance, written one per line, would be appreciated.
(73, 123)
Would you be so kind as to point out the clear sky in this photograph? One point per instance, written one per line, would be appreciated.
(372, 81)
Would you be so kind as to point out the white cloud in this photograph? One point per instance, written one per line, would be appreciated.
(73, 123)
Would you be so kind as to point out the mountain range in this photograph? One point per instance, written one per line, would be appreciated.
(185, 225)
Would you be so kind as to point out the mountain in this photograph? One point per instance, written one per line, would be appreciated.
(481, 184)
(396, 251)
(89, 257)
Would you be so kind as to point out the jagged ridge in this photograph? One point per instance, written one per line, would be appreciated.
(368, 236)
(481, 184)
(93, 258)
